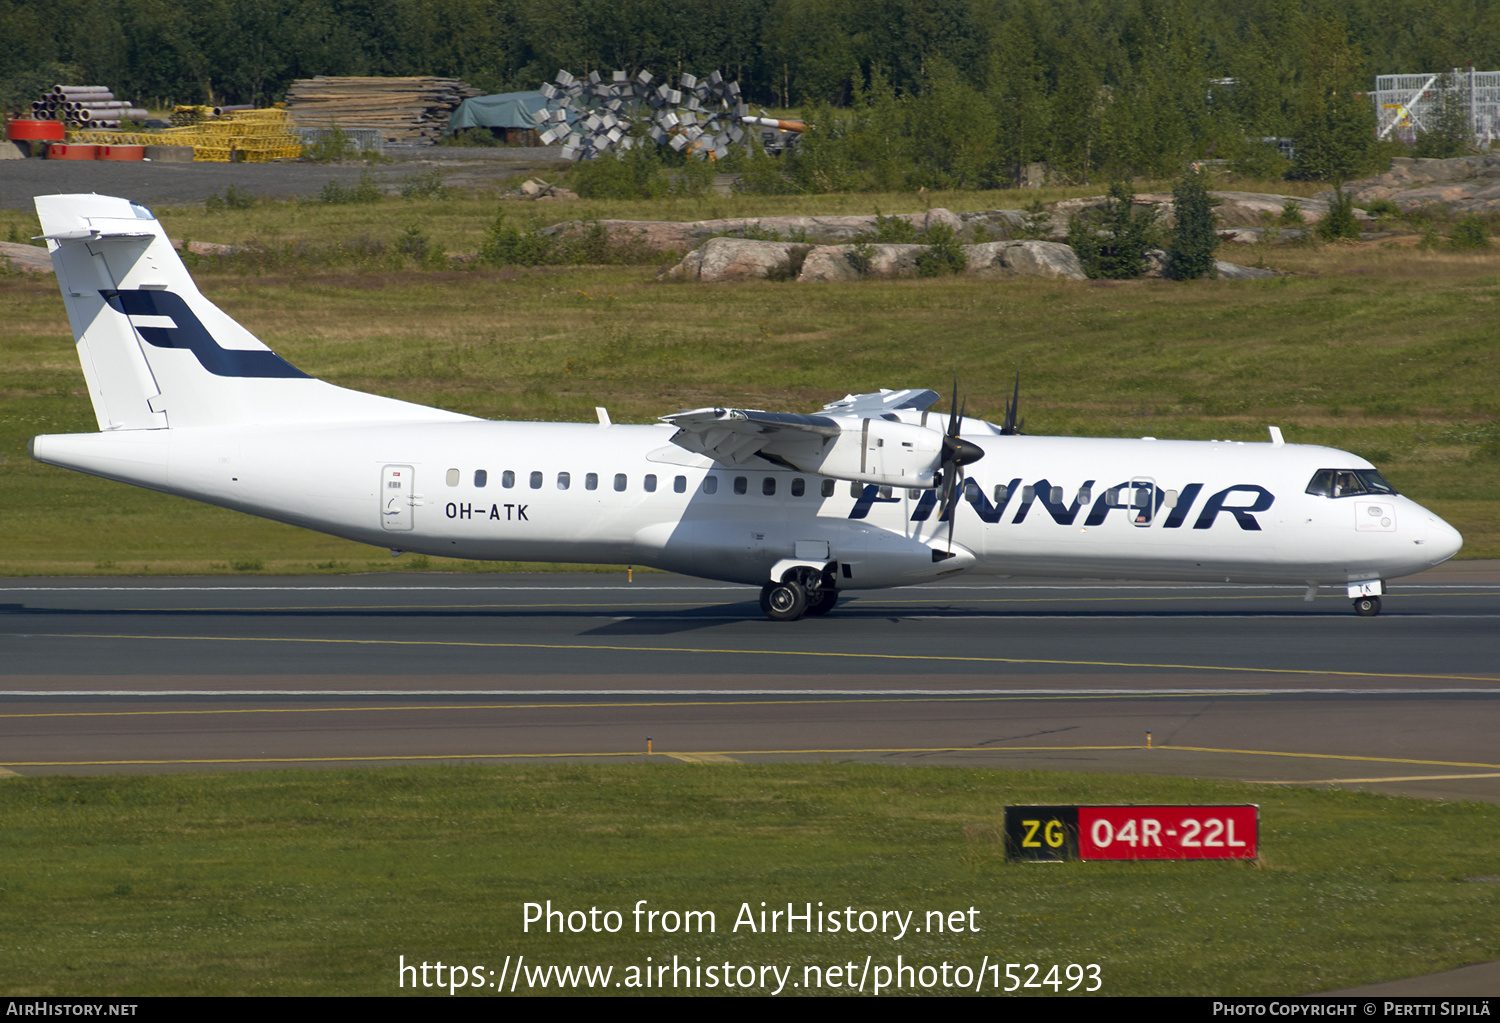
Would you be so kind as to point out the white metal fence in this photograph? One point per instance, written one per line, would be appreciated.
(1406, 105)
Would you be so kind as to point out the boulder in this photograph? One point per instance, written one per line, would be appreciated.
(25, 258)
(837, 262)
(734, 259)
(1042, 259)
(1234, 272)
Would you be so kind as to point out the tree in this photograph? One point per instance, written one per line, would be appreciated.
(1449, 132)
(1194, 239)
(1340, 222)
(1335, 127)
(1111, 241)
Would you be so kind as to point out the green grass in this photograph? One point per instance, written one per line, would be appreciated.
(315, 882)
(1385, 352)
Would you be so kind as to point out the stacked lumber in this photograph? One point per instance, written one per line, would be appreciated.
(405, 110)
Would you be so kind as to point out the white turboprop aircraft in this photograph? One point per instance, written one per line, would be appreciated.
(872, 491)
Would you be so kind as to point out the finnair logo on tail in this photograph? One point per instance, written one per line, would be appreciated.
(164, 320)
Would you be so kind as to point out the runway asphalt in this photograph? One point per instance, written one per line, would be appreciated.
(1249, 683)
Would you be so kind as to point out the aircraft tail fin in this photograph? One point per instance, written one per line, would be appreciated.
(156, 353)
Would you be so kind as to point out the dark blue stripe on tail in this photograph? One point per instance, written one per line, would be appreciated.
(193, 336)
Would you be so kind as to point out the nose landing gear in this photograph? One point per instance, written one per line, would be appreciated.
(783, 601)
(1367, 607)
(803, 591)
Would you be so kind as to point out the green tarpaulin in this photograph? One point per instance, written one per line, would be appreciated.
(505, 110)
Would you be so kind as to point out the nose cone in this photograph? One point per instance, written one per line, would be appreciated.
(1442, 540)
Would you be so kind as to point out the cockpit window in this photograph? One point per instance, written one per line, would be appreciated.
(1348, 483)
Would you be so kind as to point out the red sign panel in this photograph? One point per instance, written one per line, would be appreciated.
(1168, 832)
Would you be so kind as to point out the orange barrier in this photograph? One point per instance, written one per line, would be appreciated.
(71, 151)
(27, 130)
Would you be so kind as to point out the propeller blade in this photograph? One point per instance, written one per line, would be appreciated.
(1010, 427)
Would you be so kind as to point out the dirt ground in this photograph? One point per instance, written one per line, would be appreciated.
(169, 184)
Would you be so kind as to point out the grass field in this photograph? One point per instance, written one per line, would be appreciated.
(1385, 351)
(316, 882)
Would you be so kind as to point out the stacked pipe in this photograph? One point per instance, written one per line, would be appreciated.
(85, 106)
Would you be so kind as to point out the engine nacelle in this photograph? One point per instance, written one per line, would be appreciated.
(878, 451)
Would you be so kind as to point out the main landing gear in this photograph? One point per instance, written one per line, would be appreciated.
(1367, 607)
(789, 600)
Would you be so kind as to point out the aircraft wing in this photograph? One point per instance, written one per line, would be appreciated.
(734, 436)
(848, 440)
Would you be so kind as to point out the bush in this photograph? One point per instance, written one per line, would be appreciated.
(507, 245)
(1471, 232)
(763, 175)
(1194, 239)
(1037, 223)
(365, 191)
(645, 171)
(1340, 222)
(331, 145)
(945, 253)
(232, 199)
(483, 137)
(425, 186)
(1111, 242)
(894, 230)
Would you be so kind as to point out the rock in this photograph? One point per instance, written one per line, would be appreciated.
(663, 236)
(836, 262)
(1234, 272)
(1043, 259)
(25, 258)
(1158, 264)
(734, 259)
(987, 259)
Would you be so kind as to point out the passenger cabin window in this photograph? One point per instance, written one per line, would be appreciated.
(536, 481)
(1348, 483)
(710, 484)
(741, 485)
(507, 479)
(828, 488)
(650, 482)
(768, 486)
(619, 481)
(481, 477)
(452, 477)
(564, 480)
(679, 484)
(1001, 493)
(799, 486)
(591, 481)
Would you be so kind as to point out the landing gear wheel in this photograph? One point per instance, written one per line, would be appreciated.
(1367, 607)
(783, 602)
(822, 602)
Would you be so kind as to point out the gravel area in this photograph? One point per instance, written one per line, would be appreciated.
(167, 184)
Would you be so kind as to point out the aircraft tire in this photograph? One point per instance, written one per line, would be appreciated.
(823, 602)
(784, 601)
(1367, 607)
